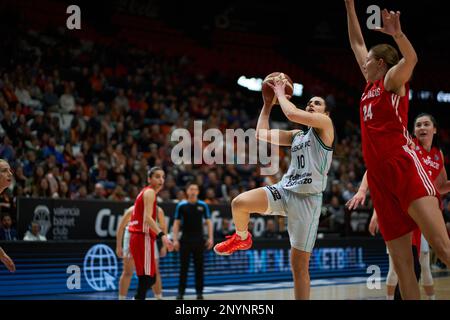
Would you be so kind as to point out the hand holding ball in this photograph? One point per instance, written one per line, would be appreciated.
(267, 91)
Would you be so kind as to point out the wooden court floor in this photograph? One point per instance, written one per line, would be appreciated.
(332, 292)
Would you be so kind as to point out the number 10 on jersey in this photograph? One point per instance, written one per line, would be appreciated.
(367, 110)
(301, 161)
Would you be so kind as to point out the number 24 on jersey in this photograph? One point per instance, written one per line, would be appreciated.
(367, 110)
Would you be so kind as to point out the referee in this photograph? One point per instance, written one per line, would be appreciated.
(190, 215)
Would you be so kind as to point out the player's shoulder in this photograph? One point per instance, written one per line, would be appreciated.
(149, 191)
(182, 203)
(203, 203)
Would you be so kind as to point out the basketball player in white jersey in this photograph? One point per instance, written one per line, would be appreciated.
(299, 193)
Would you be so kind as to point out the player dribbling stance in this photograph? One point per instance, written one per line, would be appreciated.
(299, 193)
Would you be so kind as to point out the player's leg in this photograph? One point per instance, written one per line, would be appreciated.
(391, 280)
(300, 273)
(253, 201)
(402, 257)
(426, 213)
(198, 252)
(303, 220)
(125, 278)
(141, 247)
(145, 282)
(427, 278)
(157, 287)
(185, 253)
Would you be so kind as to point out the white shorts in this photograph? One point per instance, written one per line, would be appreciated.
(303, 213)
(126, 245)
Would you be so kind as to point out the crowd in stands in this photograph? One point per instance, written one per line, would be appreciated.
(85, 121)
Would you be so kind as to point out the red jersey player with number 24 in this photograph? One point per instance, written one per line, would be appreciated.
(402, 193)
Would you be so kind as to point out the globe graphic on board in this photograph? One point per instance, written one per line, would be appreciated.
(100, 268)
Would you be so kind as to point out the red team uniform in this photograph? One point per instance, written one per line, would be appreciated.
(394, 172)
(142, 240)
(432, 162)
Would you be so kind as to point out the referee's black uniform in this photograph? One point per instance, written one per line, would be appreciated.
(191, 216)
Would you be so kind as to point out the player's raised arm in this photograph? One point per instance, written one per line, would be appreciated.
(355, 36)
(311, 119)
(399, 74)
(274, 136)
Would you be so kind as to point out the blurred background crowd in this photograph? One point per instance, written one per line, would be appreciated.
(83, 115)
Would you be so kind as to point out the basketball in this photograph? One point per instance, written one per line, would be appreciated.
(268, 93)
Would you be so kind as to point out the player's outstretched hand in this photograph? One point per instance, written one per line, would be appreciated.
(7, 261)
(279, 87)
(391, 23)
(358, 200)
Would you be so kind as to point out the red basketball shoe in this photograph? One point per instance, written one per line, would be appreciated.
(232, 244)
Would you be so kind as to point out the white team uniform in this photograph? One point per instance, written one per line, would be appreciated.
(126, 245)
(298, 195)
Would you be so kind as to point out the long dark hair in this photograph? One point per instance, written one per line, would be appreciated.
(435, 142)
(152, 171)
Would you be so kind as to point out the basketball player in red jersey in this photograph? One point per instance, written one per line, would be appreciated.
(402, 193)
(432, 158)
(144, 231)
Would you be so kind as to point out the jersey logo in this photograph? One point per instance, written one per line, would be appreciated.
(275, 193)
(436, 157)
(200, 208)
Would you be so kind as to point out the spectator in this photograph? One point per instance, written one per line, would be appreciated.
(336, 215)
(210, 197)
(99, 192)
(7, 232)
(34, 233)
(67, 101)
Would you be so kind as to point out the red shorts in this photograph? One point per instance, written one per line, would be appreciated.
(417, 239)
(394, 184)
(142, 248)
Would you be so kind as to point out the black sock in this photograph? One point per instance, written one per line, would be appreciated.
(144, 283)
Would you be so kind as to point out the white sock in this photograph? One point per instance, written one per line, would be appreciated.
(242, 234)
(158, 296)
(122, 297)
(389, 297)
(432, 297)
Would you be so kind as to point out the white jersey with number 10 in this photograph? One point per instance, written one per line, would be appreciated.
(310, 162)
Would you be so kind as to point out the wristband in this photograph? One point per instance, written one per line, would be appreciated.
(159, 236)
